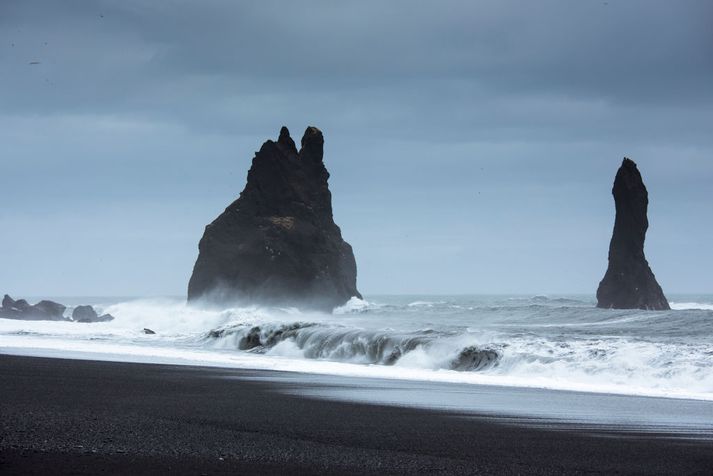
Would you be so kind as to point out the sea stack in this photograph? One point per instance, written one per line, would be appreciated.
(629, 282)
(277, 243)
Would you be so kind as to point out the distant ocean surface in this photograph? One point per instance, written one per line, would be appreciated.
(556, 342)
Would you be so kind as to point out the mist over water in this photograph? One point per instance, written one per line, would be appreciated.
(561, 342)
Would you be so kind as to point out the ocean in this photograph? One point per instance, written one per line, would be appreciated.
(546, 342)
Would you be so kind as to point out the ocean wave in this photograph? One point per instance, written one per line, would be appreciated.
(686, 306)
(354, 305)
(425, 303)
(608, 361)
(425, 349)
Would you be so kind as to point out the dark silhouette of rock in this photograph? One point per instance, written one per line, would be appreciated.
(22, 305)
(278, 243)
(88, 314)
(42, 311)
(629, 282)
(8, 302)
(84, 314)
(148, 331)
(48, 311)
(19, 305)
(473, 358)
(9, 309)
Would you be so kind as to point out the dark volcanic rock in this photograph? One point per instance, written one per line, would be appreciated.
(88, 314)
(84, 314)
(629, 282)
(42, 311)
(472, 358)
(8, 302)
(22, 305)
(278, 243)
(50, 309)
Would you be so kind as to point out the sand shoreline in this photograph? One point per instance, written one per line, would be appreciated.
(84, 417)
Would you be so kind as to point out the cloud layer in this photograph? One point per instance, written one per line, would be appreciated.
(472, 145)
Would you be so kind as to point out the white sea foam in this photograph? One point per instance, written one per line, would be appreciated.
(353, 305)
(425, 303)
(682, 306)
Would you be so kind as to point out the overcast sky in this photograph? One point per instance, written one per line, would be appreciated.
(472, 145)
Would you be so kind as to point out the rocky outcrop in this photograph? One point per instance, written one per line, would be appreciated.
(9, 303)
(473, 358)
(42, 311)
(84, 313)
(629, 282)
(278, 243)
(88, 314)
(48, 311)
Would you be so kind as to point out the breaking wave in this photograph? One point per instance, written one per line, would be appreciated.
(683, 306)
(313, 341)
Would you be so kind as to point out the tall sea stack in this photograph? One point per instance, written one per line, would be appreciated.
(629, 282)
(278, 243)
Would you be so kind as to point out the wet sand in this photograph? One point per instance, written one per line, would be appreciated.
(87, 417)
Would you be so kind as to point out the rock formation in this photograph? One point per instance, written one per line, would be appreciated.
(629, 282)
(42, 311)
(88, 314)
(48, 311)
(278, 243)
(84, 313)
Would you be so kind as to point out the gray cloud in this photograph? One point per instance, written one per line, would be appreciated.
(464, 138)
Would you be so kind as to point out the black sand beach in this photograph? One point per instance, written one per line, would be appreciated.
(87, 417)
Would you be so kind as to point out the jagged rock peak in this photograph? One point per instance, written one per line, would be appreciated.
(286, 141)
(312, 144)
(278, 243)
(629, 282)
